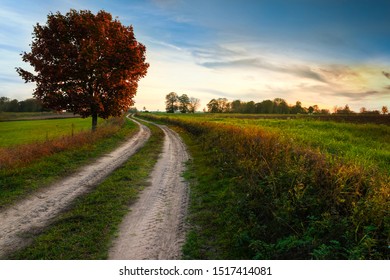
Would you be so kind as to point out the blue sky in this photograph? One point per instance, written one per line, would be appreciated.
(324, 52)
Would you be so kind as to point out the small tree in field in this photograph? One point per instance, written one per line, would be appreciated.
(193, 105)
(85, 63)
(184, 102)
(171, 101)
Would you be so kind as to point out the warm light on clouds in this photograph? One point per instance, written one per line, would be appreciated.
(317, 52)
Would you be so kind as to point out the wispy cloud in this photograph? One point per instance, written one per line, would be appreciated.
(357, 96)
(338, 72)
(327, 57)
(387, 75)
(337, 91)
(165, 44)
(9, 48)
(214, 53)
(302, 71)
(249, 62)
(216, 93)
(8, 79)
(14, 19)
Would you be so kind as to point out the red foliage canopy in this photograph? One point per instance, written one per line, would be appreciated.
(85, 63)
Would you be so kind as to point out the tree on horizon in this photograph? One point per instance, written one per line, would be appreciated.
(171, 101)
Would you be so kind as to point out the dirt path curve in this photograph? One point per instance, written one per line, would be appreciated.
(155, 227)
(20, 221)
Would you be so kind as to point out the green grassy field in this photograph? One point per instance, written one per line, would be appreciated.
(8, 116)
(285, 189)
(35, 166)
(22, 132)
(367, 144)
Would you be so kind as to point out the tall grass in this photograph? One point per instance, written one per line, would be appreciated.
(29, 167)
(267, 197)
(13, 133)
(11, 116)
(21, 155)
(368, 144)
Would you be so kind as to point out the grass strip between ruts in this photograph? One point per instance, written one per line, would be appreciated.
(86, 230)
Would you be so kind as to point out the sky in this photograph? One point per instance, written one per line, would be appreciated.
(320, 52)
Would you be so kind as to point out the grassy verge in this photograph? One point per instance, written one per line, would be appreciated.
(208, 237)
(261, 196)
(17, 182)
(86, 231)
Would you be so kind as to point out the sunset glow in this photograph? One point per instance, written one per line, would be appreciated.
(318, 52)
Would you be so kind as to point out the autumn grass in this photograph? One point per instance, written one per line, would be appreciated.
(364, 144)
(28, 167)
(259, 193)
(86, 231)
(13, 116)
(23, 154)
(13, 133)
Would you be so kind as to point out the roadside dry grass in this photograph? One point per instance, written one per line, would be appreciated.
(261, 195)
(12, 116)
(15, 133)
(26, 168)
(24, 154)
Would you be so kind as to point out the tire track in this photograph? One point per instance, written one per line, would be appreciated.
(155, 227)
(19, 222)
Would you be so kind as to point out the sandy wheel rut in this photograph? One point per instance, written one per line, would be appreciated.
(155, 227)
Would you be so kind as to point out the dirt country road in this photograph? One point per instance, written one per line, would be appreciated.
(19, 222)
(155, 227)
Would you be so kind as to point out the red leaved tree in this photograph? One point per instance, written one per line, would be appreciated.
(85, 63)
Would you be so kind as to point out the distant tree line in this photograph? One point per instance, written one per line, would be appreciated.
(28, 105)
(183, 103)
(278, 106)
(364, 111)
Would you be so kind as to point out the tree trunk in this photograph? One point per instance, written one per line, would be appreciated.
(94, 121)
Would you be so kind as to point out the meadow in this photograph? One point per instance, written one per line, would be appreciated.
(366, 144)
(286, 189)
(35, 153)
(12, 116)
(14, 133)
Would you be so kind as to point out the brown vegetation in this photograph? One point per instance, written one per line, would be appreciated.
(285, 201)
(22, 155)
